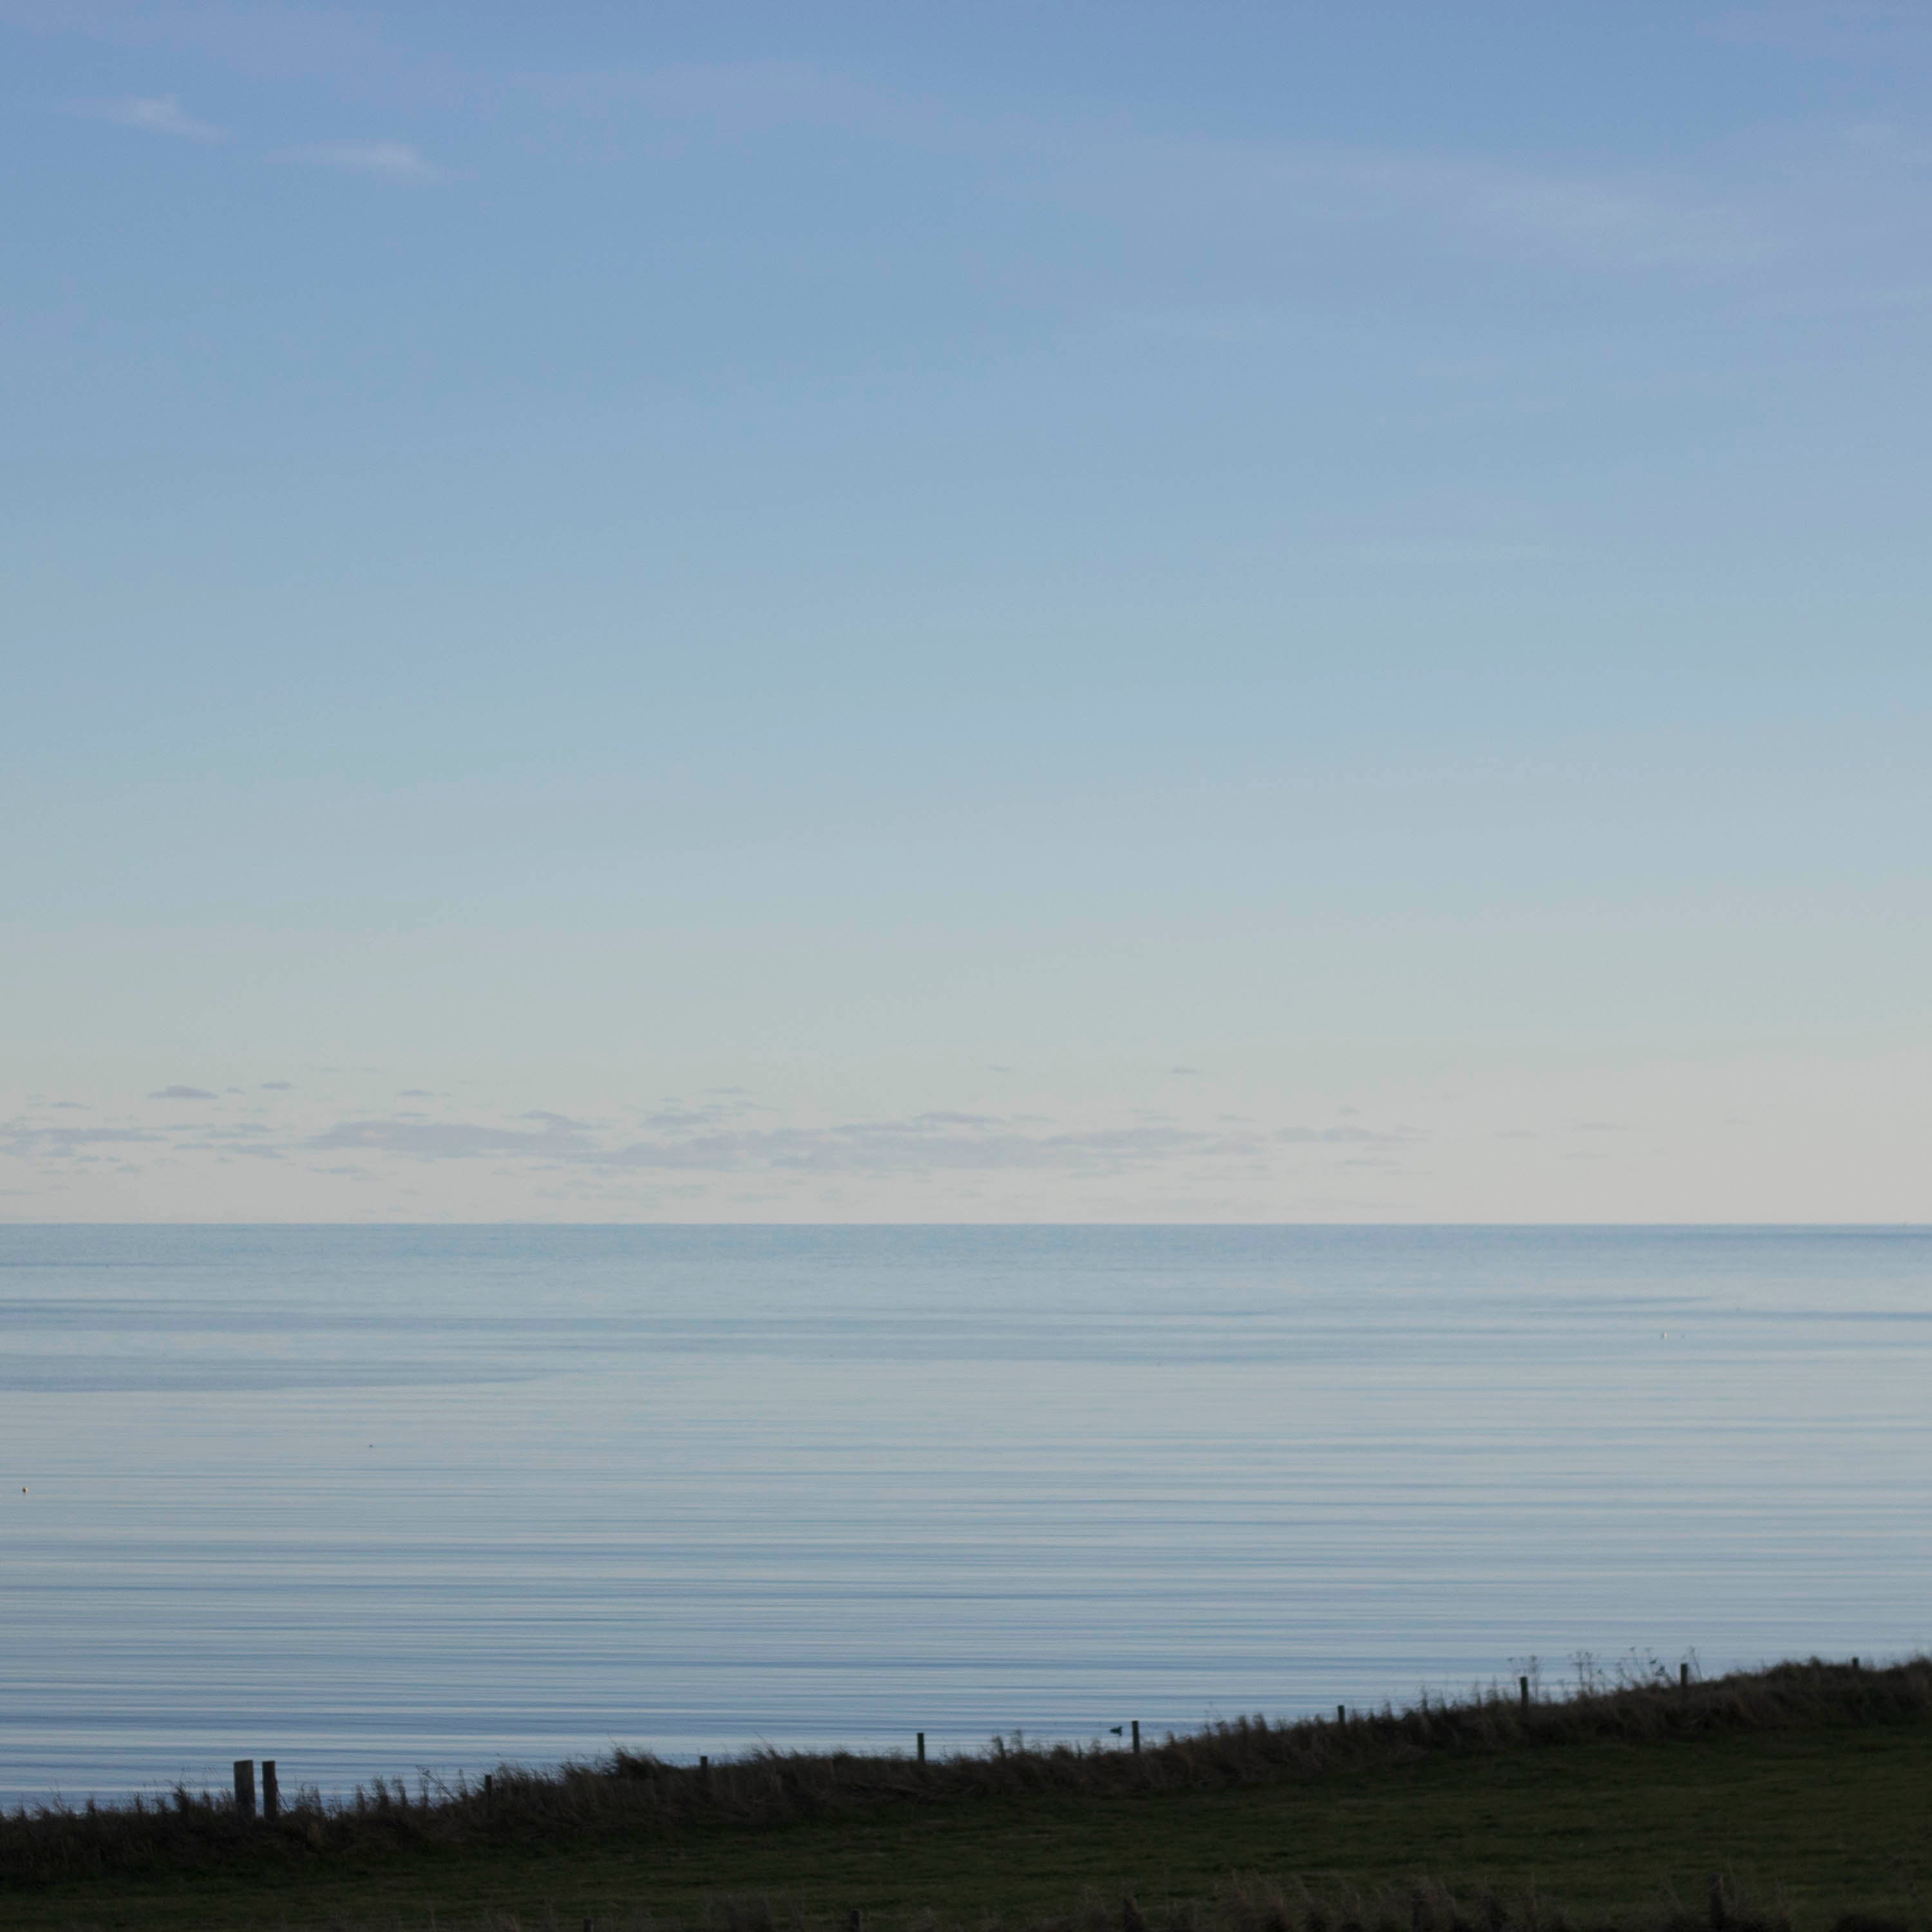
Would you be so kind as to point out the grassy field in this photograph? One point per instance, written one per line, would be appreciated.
(1822, 1814)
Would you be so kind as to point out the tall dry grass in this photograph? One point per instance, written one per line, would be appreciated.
(632, 1791)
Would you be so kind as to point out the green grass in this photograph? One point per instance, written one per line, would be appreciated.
(1817, 1818)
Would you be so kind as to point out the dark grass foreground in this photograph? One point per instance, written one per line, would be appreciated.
(632, 1794)
(1243, 1905)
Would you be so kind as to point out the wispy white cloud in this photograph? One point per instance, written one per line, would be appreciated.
(678, 1151)
(265, 39)
(927, 1143)
(390, 160)
(451, 1140)
(1263, 194)
(155, 114)
(1264, 209)
(1280, 199)
(28, 1139)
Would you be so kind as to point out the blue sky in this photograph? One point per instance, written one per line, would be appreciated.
(1021, 612)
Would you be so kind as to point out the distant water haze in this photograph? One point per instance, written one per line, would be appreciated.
(370, 1500)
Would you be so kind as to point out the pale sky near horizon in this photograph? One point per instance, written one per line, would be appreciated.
(1010, 612)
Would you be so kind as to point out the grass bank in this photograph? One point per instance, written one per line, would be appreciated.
(1807, 1787)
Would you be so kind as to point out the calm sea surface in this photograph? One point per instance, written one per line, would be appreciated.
(367, 1500)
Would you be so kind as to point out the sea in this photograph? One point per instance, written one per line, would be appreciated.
(409, 1502)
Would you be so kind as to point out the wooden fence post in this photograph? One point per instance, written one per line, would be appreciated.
(922, 1747)
(1522, 1691)
(244, 1787)
(1137, 1737)
(271, 1792)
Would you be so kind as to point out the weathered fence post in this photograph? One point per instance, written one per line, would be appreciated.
(1341, 1714)
(271, 1792)
(1137, 1737)
(1522, 1691)
(1684, 1677)
(489, 1790)
(922, 1747)
(244, 1787)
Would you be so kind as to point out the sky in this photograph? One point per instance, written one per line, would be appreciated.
(1045, 612)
